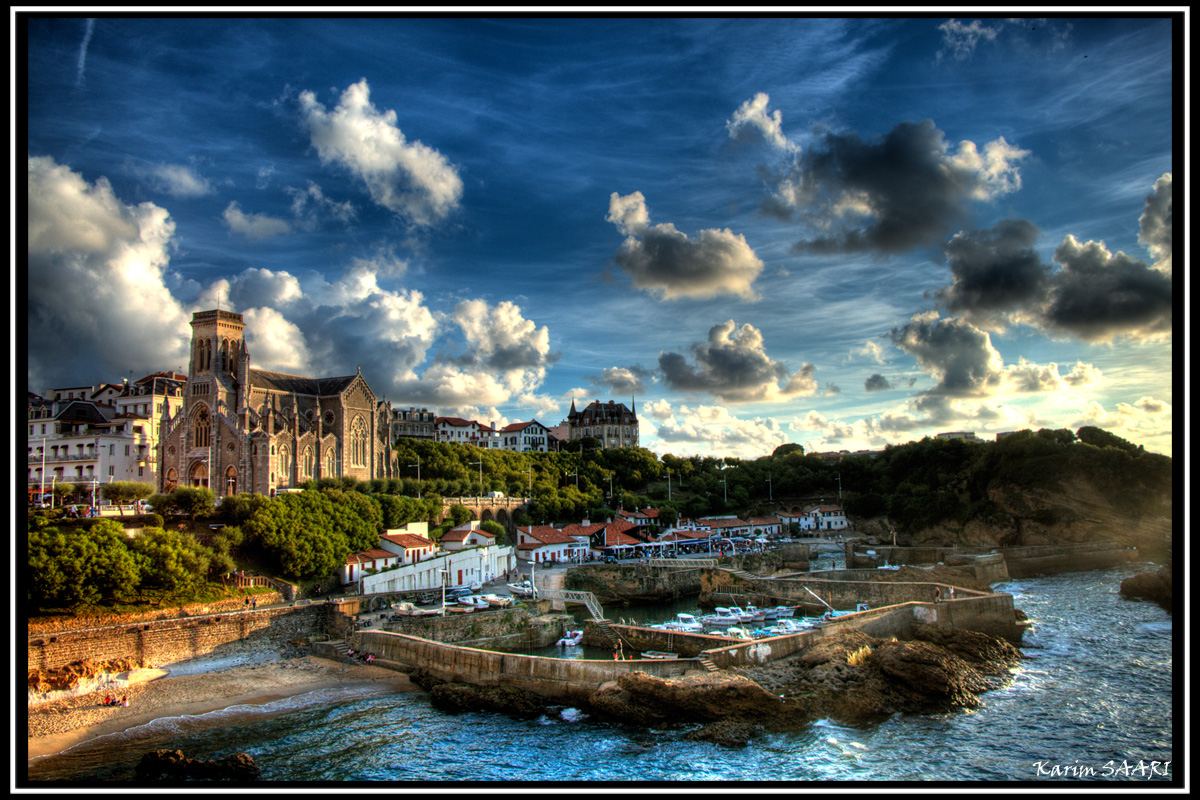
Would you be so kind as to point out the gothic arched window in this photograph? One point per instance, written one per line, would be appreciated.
(307, 462)
(358, 442)
(330, 464)
(201, 429)
(285, 464)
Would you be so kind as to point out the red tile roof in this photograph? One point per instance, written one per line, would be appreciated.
(409, 541)
(547, 534)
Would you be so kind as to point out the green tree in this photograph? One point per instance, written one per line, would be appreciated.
(493, 527)
(80, 567)
(123, 493)
(173, 562)
(193, 500)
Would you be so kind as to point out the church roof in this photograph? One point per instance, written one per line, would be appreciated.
(296, 384)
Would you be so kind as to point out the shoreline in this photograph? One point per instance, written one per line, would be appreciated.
(62, 724)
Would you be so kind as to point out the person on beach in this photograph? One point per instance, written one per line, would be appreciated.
(125, 701)
(254, 603)
(937, 594)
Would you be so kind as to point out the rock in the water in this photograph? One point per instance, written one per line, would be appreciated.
(460, 697)
(727, 733)
(1153, 586)
(173, 765)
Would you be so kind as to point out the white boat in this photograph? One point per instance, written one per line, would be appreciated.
(746, 616)
(684, 623)
(771, 613)
(785, 612)
(497, 600)
(473, 601)
(570, 639)
(722, 618)
(738, 632)
(658, 654)
(756, 614)
(786, 627)
(522, 589)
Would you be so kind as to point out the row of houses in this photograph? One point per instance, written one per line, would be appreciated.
(631, 531)
(406, 559)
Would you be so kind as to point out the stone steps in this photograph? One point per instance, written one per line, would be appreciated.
(707, 664)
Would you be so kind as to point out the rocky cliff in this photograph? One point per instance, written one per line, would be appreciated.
(1075, 511)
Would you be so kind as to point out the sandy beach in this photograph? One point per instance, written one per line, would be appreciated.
(56, 726)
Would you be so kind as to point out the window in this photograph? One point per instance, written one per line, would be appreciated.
(110, 470)
(308, 462)
(358, 442)
(127, 450)
(201, 428)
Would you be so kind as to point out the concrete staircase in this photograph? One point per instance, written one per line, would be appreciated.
(708, 665)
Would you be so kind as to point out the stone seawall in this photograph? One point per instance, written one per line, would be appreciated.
(724, 588)
(996, 564)
(990, 614)
(159, 642)
(570, 680)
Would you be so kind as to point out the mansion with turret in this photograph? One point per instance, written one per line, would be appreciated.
(241, 429)
(614, 424)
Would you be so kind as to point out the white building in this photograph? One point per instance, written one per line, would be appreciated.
(426, 570)
(89, 436)
(828, 518)
(543, 544)
(523, 437)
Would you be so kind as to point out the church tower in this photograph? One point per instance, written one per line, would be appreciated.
(215, 375)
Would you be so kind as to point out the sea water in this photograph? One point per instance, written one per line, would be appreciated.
(1092, 700)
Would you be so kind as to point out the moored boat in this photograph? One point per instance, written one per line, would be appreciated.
(721, 618)
(785, 612)
(684, 623)
(658, 654)
(497, 600)
(570, 639)
(522, 589)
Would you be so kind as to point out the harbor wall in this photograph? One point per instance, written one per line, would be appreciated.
(563, 678)
(1018, 562)
(159, 642)
(723, 588)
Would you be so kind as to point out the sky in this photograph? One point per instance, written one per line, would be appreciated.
(839, 232)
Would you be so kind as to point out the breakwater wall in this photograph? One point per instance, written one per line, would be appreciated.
(572, 680)
(1019, 562)
(158, 642)
(723, 588)
(991, 614)
(503, 629)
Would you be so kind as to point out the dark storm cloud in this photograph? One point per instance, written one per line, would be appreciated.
(1098, 296)
(662, 260)
(957, 353)
(904, 191)
(877, 383)
(622, 380)
(995, 271)
(733, 366)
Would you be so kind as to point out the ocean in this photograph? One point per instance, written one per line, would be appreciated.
(1092, 701)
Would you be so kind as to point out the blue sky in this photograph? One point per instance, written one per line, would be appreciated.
(837, 232)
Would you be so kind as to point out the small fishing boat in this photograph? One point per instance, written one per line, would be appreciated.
(785, 612)
(738, 632)
(756, 614)
(659, 654)
(684, 623)
(786, 627)
(570, 639)
(497, 600)
(722, 618)
(522, 589)
(474, 601)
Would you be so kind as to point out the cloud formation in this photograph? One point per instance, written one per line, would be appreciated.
(253, 226)
(410, 179)
(663, 261)
(1098, 296)
(96, 273)
(178, 180)
(733, 366)
(1155, 224)
(960, 356)
(959, 39)
(907, 190)
(877, 383)
(752, 121)
(713, 429)
(623, 381)
(994, 272)
(1093, 294)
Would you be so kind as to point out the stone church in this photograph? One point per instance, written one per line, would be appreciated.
(248, 430)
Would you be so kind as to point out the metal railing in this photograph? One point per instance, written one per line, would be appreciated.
(568, 596)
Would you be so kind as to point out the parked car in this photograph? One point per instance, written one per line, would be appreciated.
(610, 559)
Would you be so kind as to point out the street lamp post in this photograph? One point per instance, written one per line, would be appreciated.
(445, 576)
(576, 474)
(725, 486)
(418, 466)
